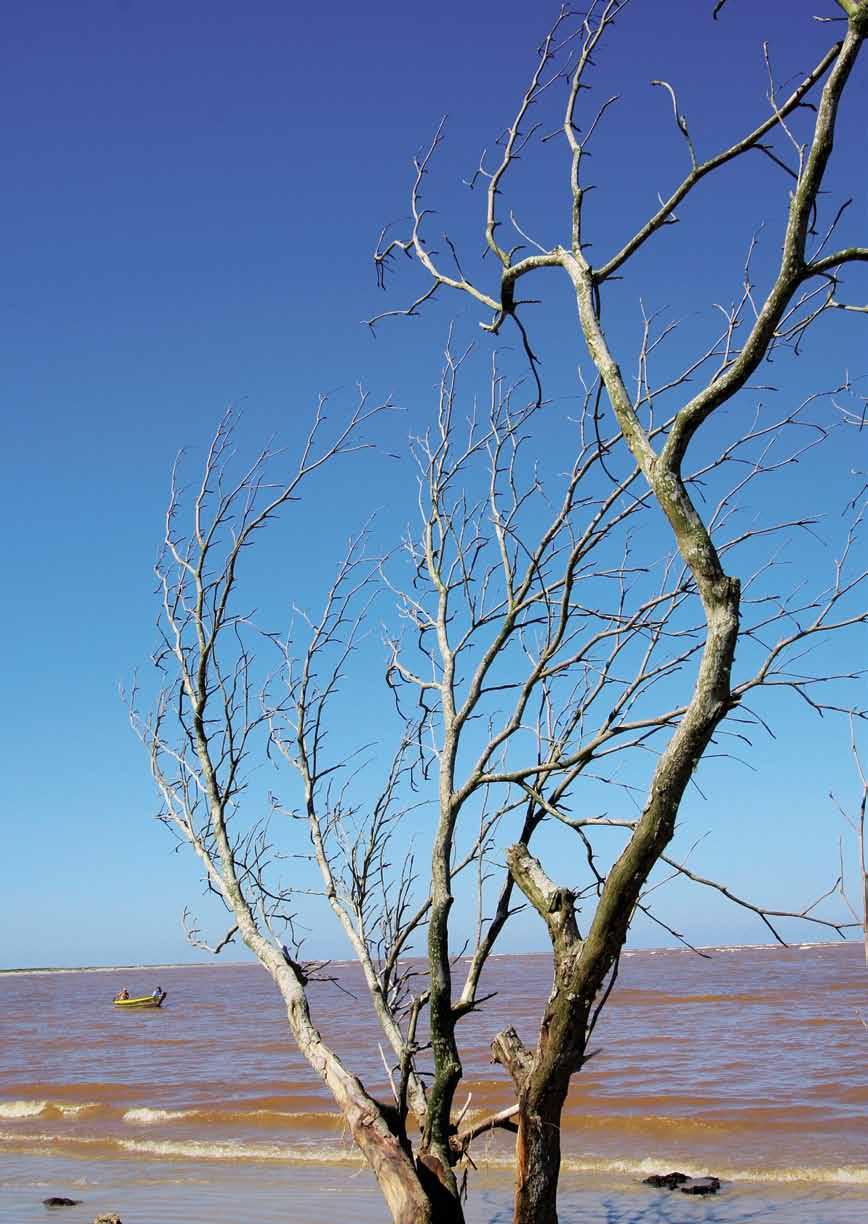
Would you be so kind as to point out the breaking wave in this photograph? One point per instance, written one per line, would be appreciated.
(150, 1117)
(22, 1109)
(145, 1116)
(202, 1149)
(852, 1175)
(11, 1110)
(342, 1153)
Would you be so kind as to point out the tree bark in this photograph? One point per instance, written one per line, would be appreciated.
(400, 1182)
(538, 1151)
(581, 966)
(403, 1186)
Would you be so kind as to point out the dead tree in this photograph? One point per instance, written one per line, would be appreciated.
(804, 287)
(501, 636)
(530, 643)
(214, 720)
(206, 731)
(492, 632)
(541, 628)
(549, 628)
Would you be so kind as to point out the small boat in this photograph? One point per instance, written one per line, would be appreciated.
(142, 1001)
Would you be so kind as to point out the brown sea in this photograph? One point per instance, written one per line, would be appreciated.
(751, 1065)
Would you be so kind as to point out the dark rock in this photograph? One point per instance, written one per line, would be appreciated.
(700, 1185)
(56, 1201)
(667, 1181)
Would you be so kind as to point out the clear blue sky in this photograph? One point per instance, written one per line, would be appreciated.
(191, 197)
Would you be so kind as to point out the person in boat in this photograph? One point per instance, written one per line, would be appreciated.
(158, 994)
(124, 994)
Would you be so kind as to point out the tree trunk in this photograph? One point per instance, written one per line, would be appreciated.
(538, 1153)
(441, 1189)
(408, 1201)
(405, 1187)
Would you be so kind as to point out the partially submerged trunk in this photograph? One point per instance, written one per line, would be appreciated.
(411, 1194)
(541, 1096)
(538, 1152)
(543, 1077)
(582, 966)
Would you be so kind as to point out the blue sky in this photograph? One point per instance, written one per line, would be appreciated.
(192, 195)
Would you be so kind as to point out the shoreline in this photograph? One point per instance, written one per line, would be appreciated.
(316, 1199)
(602, 1170)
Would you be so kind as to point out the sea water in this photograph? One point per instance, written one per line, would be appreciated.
(752, 1066)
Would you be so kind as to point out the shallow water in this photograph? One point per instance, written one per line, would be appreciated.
(305, 1194)
(753, 1066)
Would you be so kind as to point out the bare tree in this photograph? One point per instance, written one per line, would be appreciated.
(217, 715)
(207, 722)
(804, 288)
(556, 636)
(533, 651)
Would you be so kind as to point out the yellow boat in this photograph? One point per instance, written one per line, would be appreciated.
(142, 1001)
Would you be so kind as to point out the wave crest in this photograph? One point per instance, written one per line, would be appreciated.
(149, 1117)
(22, 1109)
(199, 1149)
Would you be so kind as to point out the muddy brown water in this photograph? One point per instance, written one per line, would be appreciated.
(752, 1066)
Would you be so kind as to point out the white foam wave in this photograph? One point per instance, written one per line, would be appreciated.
(148, 1117)
(343, 1154)
(41, 1140)
(305, 1114)
(36, 1109)
(852, 1175)
(19, 1137)
(22, 1109)
(318, 1153)
(199, 1149)
(844, 1175)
